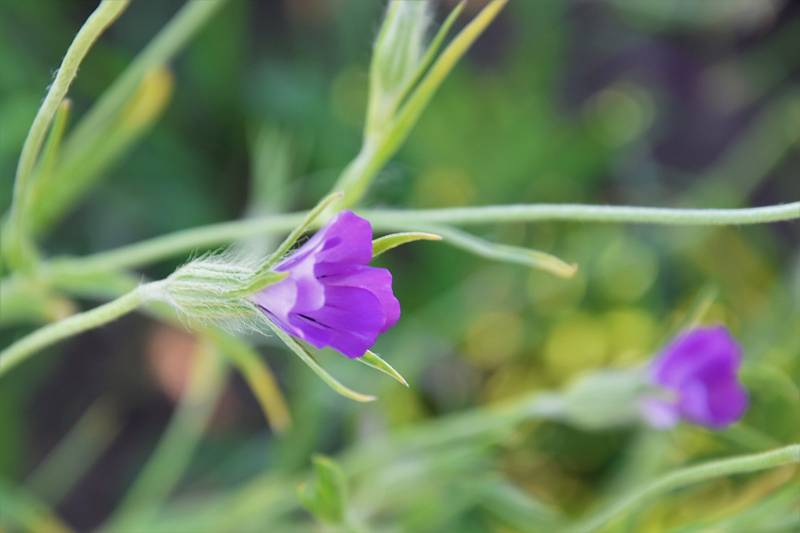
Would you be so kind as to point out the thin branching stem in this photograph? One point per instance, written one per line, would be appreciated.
(29, 345)
(693, 474)
(389, 220)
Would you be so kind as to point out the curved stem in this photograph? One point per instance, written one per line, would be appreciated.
(52, 333)
(94, 26)
(97, 22)
(587, 213)
(388, 220)
(694, 474)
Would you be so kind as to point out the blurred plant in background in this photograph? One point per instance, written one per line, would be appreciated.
(587, 101)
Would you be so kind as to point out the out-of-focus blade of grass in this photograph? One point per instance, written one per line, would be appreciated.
(326, 496)
(271, 165)
(515, 507)
(503, 252)
(77, 171)
(174, 451)
(270, 191)
(775, 511)
(759, 149)
(765, 66)
(259, 378)
(789, 455)
(75, 454)
(23, 301)
(309, 360)
(20, 511)
(100, 120)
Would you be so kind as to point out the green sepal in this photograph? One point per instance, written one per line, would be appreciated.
(387, 242)
(373, 360)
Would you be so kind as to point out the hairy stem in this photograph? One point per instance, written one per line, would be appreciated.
(389, 220)
(94, 26)
(588, 213)
(52, 333)
(693, 474)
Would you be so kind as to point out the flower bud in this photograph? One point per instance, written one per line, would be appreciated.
(213, 289)
(604, 399)
(397, 55)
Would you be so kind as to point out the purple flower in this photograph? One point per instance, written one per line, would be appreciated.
(331, 296)
(698, 374)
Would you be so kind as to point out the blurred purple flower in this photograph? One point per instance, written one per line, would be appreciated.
(698, 374)
(331, 297)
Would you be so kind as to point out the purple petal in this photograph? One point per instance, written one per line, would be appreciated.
(350, 321)
(376, 280)
(331, 297)
(700, 369)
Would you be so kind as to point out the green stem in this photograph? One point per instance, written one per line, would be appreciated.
(587, 213)
(680, 478)
(97, 22)
(52, 333)
(389, 220)
(183, 25)
(94, 26)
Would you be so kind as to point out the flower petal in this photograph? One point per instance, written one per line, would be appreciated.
(350, 321)
(376, 280)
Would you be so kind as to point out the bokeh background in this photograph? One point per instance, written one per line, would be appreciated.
(638, 102)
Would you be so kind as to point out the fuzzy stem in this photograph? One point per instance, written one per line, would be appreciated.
(588, 213)
(389, 220)
(693, 474)
(94, 26)
(52, 333)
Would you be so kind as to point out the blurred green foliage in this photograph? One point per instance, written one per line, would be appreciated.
(618, 101)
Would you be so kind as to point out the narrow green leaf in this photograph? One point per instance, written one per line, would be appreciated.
(387, 242)
(305, 356)
(297, 232)
(504, 252)
(444, 63)
(433, 49)
(373, 360)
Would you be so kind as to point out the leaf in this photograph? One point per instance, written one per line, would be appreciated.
(305, 356)
(444, 63)
(326, 496)
(297, 232)
(503, 252)
(388, 242)
(433, 49)
(373, 360)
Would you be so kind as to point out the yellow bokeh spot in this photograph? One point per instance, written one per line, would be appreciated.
(631, 333)
(492, 338)
(441, 187)
(626, 269)
(622, 112)
(575, 344)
